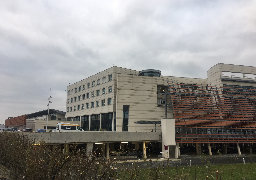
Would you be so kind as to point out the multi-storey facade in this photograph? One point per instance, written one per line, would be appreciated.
(205, 110)
(120, 99)
(92, 101)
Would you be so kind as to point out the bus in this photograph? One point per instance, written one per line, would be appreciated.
(67, 127)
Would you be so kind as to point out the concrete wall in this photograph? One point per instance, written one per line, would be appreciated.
(93, 136)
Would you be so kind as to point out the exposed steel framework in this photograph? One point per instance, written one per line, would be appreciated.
(207, 114)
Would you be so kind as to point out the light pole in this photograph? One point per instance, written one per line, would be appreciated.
(48, 111)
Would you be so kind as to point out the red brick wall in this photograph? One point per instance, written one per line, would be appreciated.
(16, 121)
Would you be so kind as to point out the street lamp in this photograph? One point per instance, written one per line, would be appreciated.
(48, 111)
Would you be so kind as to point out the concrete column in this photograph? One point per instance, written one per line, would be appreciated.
(107, 151)
(113, 119)
(177, 151)
(225, 148)
(103, 150)
(144, 150)
(137, 145)
(250, 148)
(198, 149)
(89, 149)
(100, 121)
(89, 122)
(238, 149)
(210, 149)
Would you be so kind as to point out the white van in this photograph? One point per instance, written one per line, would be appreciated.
(67, 127)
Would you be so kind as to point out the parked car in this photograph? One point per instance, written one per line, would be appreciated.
(40, 130)
(136, 153)
(5, 129)
(27, 130)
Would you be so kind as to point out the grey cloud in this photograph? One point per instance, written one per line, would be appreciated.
(49, 44)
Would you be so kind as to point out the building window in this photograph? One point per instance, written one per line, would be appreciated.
(83, 96)
(87, 95)
(95, 122)
(92, 93)
(83, 87)
(103, 91)
(75, 99)
(160, 101)
(68, 92)
(97, 92)
(70, 109)
(75, 90)
(97, 104)
(110, 77)
(103, 80)
(74, 108)
(87, 105)
(71, 91)
(98, 82)
(88, 85)
(103, 102)
(67, 109)
(79, 98)
(92, 104)
(78, 107)
(71, 100)
(68, 101)
(93, 83)
(82, 106)
(109, 101)
(79, 89)
(125, 117)
(110, 89)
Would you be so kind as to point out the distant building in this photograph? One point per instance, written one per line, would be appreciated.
(37, 120)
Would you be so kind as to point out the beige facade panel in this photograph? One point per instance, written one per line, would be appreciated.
(216, 77)
(140, 93)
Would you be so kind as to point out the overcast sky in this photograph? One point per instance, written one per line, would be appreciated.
(47, 44)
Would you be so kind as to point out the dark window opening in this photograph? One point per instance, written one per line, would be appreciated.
(106, 121)
(85, 123)
(125, 117)
(95, 122)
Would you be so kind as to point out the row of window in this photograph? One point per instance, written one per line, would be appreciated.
(87, 95)
(87, 105)
(92, 84)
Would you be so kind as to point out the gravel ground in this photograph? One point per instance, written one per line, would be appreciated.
(4, 173)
